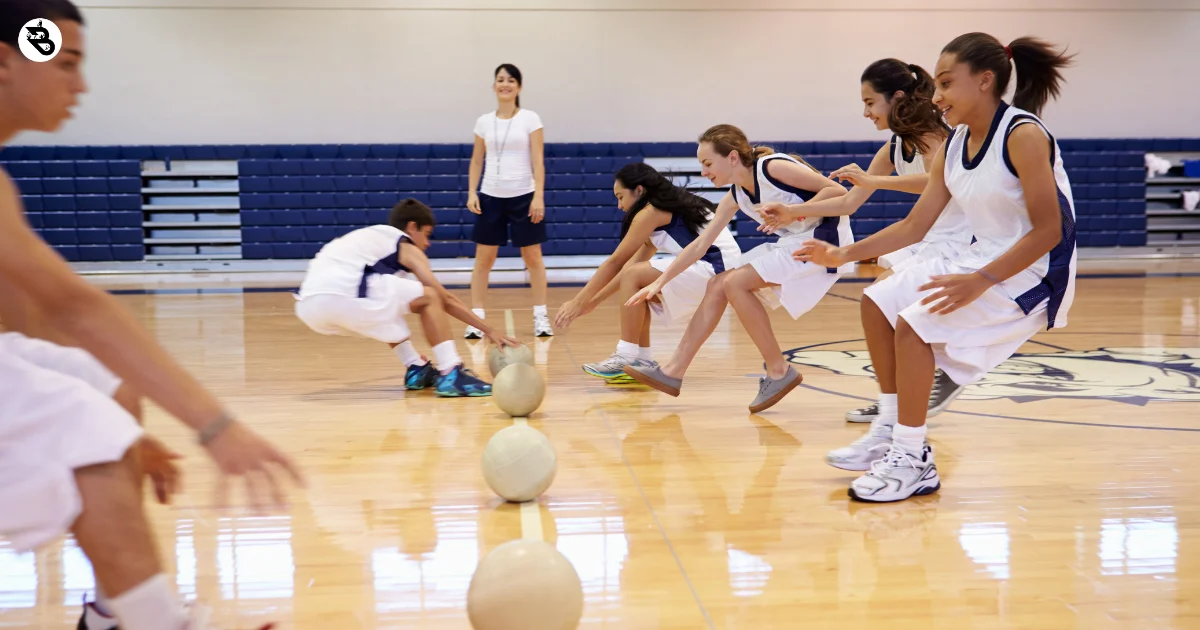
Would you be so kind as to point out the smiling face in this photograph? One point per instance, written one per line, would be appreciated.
(717, 168)
(875, 106)
(626, 197)
(41, 95)
(958, 92)
(507, 87)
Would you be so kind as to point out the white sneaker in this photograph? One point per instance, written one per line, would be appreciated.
(473, 333)
(898, 476)
(610, 368)
(542, 327)
(864, 451)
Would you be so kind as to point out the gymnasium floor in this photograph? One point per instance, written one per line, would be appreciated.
(1069, 495)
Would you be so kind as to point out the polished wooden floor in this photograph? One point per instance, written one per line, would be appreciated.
(1070, 493)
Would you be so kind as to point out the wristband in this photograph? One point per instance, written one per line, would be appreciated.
(989, 277)
(214, 428)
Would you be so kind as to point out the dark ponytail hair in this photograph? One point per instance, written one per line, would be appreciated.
(513, 72)
(694, 210)
(913, 114)
(1037, 65)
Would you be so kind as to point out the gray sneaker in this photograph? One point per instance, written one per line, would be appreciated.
(651, 375)
(771, 391)
(943, 393)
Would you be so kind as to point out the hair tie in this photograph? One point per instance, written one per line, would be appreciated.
(1008, 51)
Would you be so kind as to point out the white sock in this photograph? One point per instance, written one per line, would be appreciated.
(889, 406)
(911, 439)
(149, 606)
(627, 350)
(446, 356)
(539, 311)
(645, 354)
(408, 354)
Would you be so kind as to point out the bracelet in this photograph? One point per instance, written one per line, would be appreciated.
(214, 428)
(989, 277)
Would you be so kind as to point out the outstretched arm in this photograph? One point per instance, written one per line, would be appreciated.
(417, 262)
(643, 225)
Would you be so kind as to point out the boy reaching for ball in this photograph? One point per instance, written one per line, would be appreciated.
(363, 283)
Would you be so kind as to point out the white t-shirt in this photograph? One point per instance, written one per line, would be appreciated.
(507, 169)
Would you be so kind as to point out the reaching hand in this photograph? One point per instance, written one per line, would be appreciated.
(954, 291)
(502, 340)
(569, 312)
(158, 463)
(646, 294)
(855, 175)
(775, 215)
(239, 452)
(821, 253)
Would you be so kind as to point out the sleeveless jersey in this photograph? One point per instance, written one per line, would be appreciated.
(673, 237)
(344, 264)
(952, 225)
(835, 230)
(990, 194)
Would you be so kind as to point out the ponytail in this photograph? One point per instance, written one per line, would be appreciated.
(912, 116)
(1036, 62)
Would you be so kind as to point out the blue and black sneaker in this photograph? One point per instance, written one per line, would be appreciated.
(421, 376)
(461, 381)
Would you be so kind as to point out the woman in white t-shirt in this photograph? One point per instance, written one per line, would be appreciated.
(510, 202)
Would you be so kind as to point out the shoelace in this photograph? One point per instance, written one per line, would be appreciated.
(895, 457)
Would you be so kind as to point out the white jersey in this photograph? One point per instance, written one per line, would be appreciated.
(990, 194)
(343, 266)
(952, 225)
(673, 237)
(835, 230)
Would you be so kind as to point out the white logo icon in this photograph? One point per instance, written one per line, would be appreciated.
(40, 40)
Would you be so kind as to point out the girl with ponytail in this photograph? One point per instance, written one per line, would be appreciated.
(659, 217)
(898, 97)
(769, 276)
(968, 312)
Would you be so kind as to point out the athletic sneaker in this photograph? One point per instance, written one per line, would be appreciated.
(610, 368)
(864, 451)
(771, 391)
(421, 376)
(943, 393)
(473, 333)
(93, 619)
(542, 327)
(460, 382)
(898, 476)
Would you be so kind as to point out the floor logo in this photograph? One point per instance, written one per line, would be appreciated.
(40, 40)
(1130, 375)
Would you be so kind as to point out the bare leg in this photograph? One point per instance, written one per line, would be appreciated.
(700, 328)
(537, 273)
(881, 343)
(739, 289)
(434, 320)
(635, 320)
(914, 375)
(485, 259)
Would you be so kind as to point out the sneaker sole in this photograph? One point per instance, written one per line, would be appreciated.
(854, 467)
(440, 394)
(851, 417)
(920, 492)
(602, 375)
(770, 402)
(649, 382)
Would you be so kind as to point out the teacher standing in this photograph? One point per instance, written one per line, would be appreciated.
(510, 204)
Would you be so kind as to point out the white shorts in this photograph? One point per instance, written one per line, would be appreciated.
(801, 285)
(924, 250)
(970, 342)
(379, 316)
(56, 415)
(681, 296)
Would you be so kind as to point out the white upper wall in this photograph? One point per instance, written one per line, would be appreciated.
(316, 71)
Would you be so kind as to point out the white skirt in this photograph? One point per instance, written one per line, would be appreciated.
(924, 250)
(970, 342)
(56, 415)
(801, 285)
(379, 316)
(681, 296)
